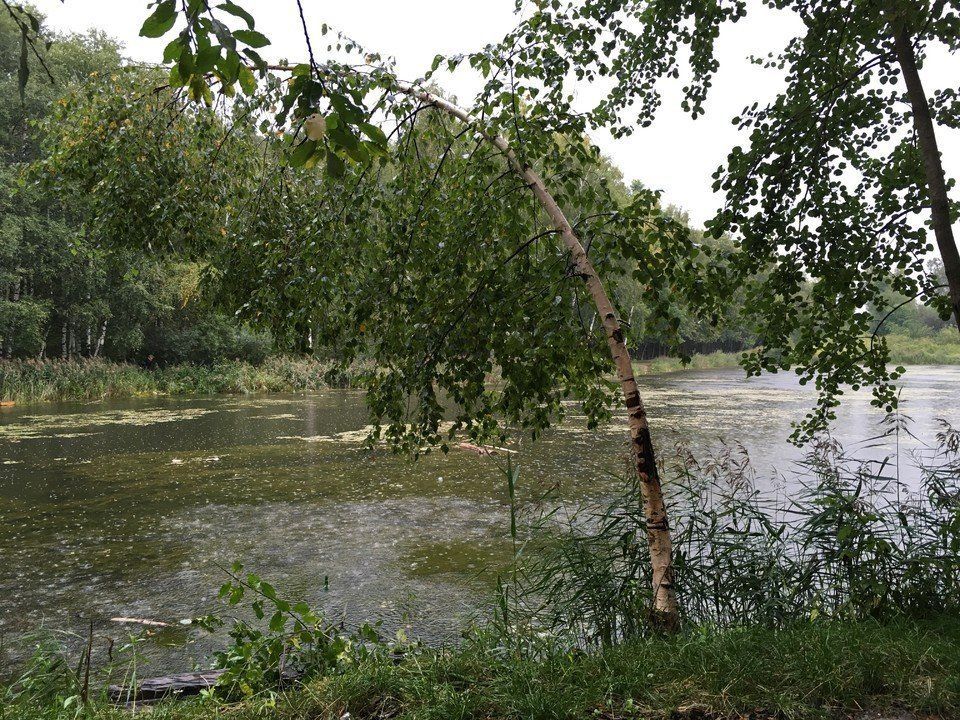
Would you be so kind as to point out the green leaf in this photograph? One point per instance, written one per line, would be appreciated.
(277, 622)
(303, 153)
(160, 22)
(229, 66)
(335, 166)
(255, 58)
(237, 11)
(207, 59)
(252, 38)
(223, 34)
(342, 136)
(347, 110)
(267, 589)
(359, 153)
(175, 79)
(185, 65)
(173, 49)
(375, 134)
(248, 83)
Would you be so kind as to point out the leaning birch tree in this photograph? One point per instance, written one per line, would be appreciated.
(445, 265)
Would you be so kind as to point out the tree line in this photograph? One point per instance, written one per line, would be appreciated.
(64, 291)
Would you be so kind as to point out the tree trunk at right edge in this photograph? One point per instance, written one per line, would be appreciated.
(932, 165)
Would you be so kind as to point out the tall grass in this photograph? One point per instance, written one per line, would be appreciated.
(940, 349)
(848, 542)
(710, 361)
(26, 381)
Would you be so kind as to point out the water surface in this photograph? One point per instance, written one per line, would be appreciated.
(129, 508)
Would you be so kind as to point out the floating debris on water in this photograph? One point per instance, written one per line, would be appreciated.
(39, 426)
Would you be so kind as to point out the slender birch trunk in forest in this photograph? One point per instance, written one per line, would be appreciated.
(101, 339)
(665, 612)
(932, 164)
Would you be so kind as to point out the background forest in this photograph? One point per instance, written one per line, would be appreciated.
(69, 293)
(65, 293)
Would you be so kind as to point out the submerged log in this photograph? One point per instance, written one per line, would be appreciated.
(152, 689)
(178, 686)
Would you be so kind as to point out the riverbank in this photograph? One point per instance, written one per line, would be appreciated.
(27, 381)
(941, 349)
(711, 361)
(906, 669)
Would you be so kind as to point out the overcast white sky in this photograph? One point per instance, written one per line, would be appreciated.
(676, 154)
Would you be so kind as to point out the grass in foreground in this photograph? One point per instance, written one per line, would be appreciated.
(816, 670)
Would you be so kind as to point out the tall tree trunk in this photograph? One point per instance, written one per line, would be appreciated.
(665, 610)
(101, 339)
(63, 342)
(8, 341)
(932, 165)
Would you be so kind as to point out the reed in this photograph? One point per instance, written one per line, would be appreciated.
(29, 381)
(847, 541)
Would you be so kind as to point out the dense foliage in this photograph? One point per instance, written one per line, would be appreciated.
(832, 197)
(67, 290)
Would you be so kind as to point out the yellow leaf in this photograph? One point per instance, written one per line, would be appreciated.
(316, 127)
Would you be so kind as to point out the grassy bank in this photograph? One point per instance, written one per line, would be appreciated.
(811, 670)
(941, 349)
(710, 361)
(35, 381)
(25, 381)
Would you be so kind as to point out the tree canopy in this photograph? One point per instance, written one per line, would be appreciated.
(832, 198)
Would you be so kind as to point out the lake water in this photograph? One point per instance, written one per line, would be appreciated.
(130, 508)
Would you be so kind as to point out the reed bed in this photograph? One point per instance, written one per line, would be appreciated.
(845, 539)
(29, 381)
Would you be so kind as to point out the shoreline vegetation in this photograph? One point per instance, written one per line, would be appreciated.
(32, 381)
(906, 669)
